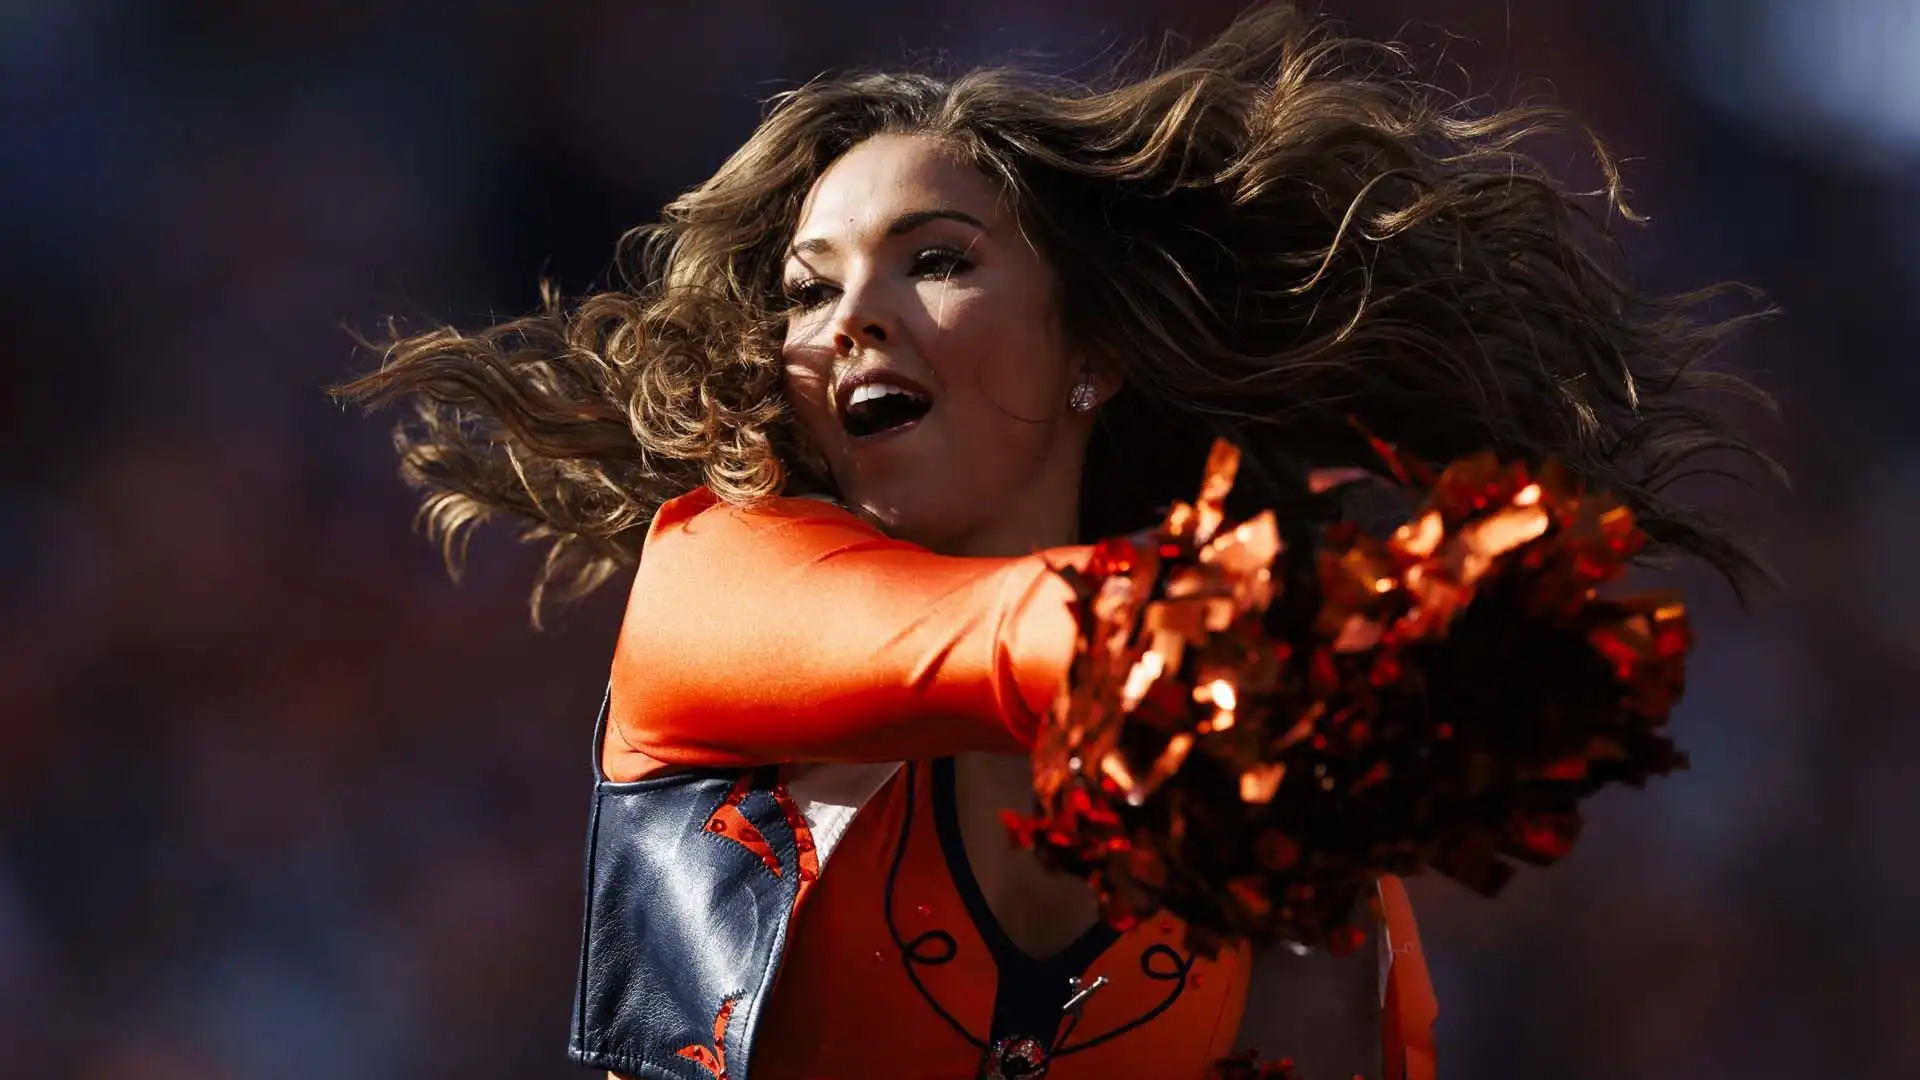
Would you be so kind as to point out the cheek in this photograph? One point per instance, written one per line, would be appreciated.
(998, 344)
(804, 383)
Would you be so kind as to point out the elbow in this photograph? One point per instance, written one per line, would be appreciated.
(642, 718)
(668, 728)
(694, 711)
(649, 706)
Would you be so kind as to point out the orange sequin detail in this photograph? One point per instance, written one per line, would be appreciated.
(713, 1058)
(727, 820)
(802, 834)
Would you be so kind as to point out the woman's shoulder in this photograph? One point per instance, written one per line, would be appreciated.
(703, 512)
(701, 499)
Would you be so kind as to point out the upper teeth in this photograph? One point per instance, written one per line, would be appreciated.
(875, 390)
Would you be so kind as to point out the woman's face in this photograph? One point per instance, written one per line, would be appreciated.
(924, 356)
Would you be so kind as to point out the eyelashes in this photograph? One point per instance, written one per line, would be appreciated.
(942, 263)
(807, 295)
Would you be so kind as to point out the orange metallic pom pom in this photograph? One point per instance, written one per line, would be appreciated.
(1250, 735)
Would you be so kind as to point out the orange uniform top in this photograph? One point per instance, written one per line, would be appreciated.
(796, 632)
(899, 970)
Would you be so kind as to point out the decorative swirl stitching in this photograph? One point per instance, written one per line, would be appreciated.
(1175, 970)
(1177, 974)
(910, 951)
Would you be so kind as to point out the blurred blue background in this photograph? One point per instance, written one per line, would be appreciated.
(276, 799)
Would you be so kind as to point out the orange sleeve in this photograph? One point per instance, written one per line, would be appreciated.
(1410, 1005)
(795, 631)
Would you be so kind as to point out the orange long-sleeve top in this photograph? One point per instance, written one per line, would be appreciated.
(794, 631)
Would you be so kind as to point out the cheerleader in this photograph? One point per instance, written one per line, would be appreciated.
(908, 348)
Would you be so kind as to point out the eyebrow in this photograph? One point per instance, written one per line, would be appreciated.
(900, 226)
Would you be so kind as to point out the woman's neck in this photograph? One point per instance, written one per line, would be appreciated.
(1008, 537)
(1044, 514)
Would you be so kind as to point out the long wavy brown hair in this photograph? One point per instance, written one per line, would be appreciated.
(1287, 231)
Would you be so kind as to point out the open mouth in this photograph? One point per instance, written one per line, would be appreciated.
(875, 408)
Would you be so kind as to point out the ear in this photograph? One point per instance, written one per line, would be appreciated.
(1106, 375)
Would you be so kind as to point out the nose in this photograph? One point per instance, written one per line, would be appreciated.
(860, 321)
(853, 336)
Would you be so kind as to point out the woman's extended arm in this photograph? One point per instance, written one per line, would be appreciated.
(795, 631)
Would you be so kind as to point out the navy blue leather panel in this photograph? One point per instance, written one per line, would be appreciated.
(680, 921)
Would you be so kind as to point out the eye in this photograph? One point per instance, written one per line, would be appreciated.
(940, 262)
(809, 294)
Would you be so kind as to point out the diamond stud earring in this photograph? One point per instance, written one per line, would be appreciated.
(1085, 396)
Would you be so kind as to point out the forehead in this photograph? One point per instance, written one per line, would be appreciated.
(888, 175)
